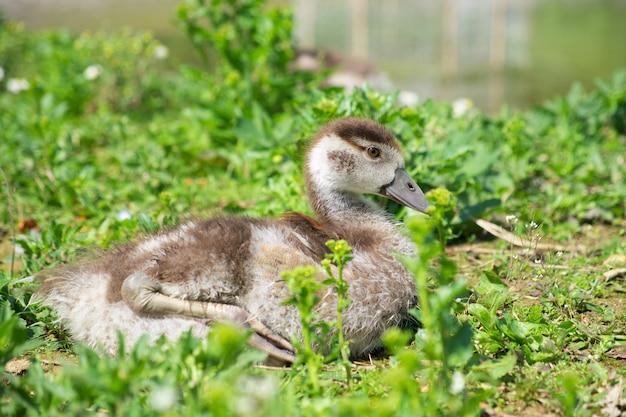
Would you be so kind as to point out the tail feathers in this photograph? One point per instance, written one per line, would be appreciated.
(80, 301)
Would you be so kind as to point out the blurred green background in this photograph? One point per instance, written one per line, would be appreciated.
(495, 52)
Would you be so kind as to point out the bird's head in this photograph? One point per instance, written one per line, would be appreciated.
(360, 156)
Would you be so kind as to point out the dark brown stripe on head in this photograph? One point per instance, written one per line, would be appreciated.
(351, 128)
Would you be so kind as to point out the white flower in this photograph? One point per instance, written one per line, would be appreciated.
(92, 72)
(533, 225)
(123, 215)
(261, 388)
(161, 52)
(163, 398)
(408, 98)
(458, 383)
(16, 85)
(266, 388)
(461, 106)
(25, 279)
(245, 406)
(1, 73)
(511, 219)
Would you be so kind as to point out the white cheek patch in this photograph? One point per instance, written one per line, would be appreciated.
(382, 175)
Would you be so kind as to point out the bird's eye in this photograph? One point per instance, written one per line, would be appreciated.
(373, 152)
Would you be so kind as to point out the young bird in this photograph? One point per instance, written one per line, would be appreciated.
(228, 269)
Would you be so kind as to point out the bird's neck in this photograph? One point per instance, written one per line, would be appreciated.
(359, 221)
(343, 208)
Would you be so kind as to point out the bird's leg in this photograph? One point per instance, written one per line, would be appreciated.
(143, 294)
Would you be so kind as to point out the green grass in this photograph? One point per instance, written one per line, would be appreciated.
(150, 141)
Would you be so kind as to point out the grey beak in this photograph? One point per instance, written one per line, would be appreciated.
(404, 190)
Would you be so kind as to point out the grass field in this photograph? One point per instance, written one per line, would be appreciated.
(104, 138)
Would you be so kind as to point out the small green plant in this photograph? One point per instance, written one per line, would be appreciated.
(442, 211)
(304, 285)
(444, 345)
(443, 360)
(340, 254)
(14, 335)
(569, 397)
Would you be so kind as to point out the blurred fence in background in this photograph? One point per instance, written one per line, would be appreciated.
(428, 45)
(495, 52)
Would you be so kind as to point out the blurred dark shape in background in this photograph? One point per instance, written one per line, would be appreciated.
(494, 52)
